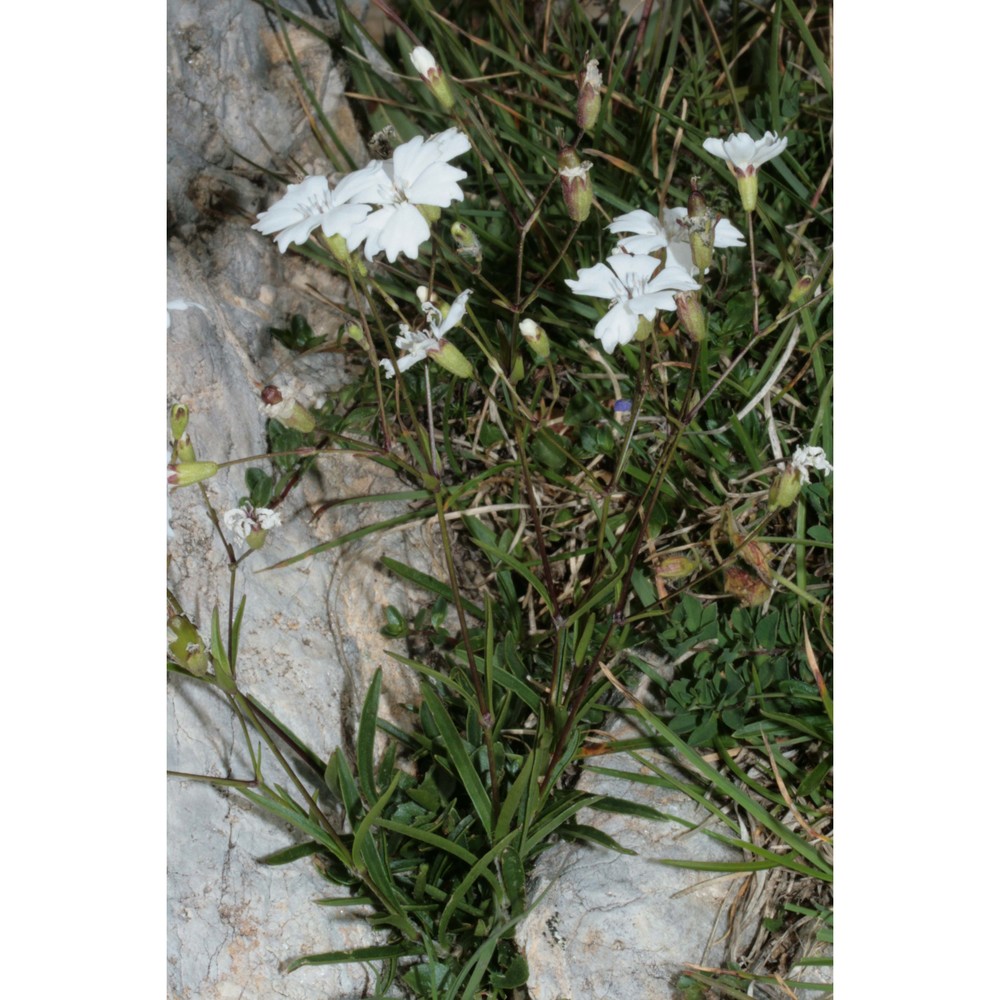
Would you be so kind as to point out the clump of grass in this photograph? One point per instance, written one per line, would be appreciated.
(621, 511)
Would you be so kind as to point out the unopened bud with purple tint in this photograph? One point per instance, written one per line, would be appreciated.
(188, 473)
(577, 187)
(588, 101)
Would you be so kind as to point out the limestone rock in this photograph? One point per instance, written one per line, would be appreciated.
(620, 926)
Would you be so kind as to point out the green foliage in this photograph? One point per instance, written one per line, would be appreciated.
(298, 336)
(558, 514)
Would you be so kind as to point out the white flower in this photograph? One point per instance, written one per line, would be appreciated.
(672, 234)
(415, 345)
(243, 521)
(743, 154)
(808, 457)
(419, 174)
(628, 281)
(281, 410)
(312, 204)
(423, 62)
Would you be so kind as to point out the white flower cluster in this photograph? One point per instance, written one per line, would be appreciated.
(808, 457)
(243, 521)
(378, 205)
(415, 345)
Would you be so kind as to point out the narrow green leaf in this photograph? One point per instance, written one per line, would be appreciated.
(288, 854)
(511, 683)
(222, 669)
(582, 831)
(552, 820)
(297, 818)
(362, 834)
(449, 682)
(477, 870)
(811, 45)
(512, 873)
(520, 568)
(237, 623)
(374, 953)
(426, 837)
(733, 791)
(430, 584)
(515, 796)
(459, 758)
(367, 725)
(346, 901)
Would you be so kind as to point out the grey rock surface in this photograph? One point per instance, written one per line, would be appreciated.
(609, 926)
(310, 641)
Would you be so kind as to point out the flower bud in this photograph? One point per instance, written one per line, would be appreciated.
(178, 421)
(354, 332)
(449, 357)
(702, 237)
(784, 490)
(746, 586)
(588, 101)
(287, 412)
(577, 187)
(188, 473)
(800, 289)
(188, 649)
(183, 449)
(676, 567)
(537, 338)
(426, 65)
(692, 315)
(697, 205)
(466, 242)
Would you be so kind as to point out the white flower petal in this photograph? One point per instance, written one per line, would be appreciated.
(617, 326)
(715, 147)
(343, 219)
(403, 232)
(437, 185)
(673, 277)
(638, 221)
(727, 235)
(423, 62)
(633, 269)
(768, 148)
(740, 149)
(297, 214)
(455, 314)
(268, 518)
(369, 184)
(598, 281)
